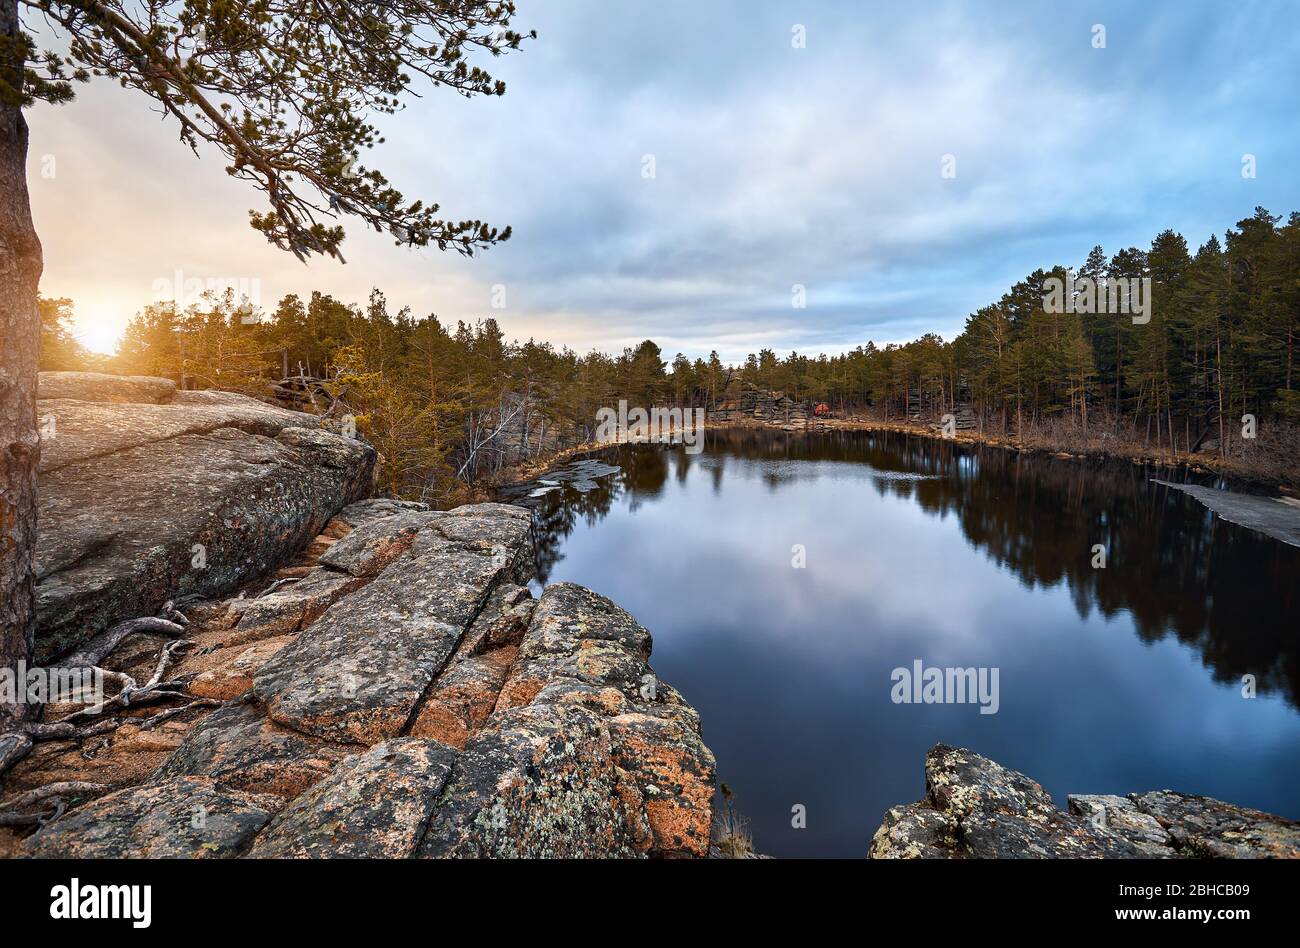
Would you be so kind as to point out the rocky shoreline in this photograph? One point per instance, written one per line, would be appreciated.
(363, 677)
(395, 692)
(1200, 463)
(974, 808)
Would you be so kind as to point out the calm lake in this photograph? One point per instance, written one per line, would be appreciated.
(1110, 680)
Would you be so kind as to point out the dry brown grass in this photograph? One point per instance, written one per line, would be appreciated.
(731, 836)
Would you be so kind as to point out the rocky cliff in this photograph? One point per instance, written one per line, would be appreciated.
(742, 402)
(149, 494)
(976, 808)
(396, 691)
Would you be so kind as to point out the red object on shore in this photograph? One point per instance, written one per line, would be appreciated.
(822, 410)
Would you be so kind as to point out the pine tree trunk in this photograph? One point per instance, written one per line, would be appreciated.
(1290, 356)
(1218, 376)
(20, 272)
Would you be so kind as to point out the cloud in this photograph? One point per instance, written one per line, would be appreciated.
(774, 166)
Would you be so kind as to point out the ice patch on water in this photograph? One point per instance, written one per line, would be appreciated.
(904, 476)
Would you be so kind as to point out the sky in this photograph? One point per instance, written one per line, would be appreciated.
(775, 165)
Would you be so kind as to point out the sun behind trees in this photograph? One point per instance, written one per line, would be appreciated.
(446, 408)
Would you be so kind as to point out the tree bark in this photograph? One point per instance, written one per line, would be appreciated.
(20, 273)
(1218, 375)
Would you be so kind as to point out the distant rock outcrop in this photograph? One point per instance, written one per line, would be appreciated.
(742, 402)
(148, 494)
(976, 808)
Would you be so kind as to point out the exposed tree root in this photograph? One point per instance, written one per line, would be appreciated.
(32, 819)
(61, 788)
(148, 724)
(102, 645)
(14, 746)
(276, 585)
(18, 741)
(51, 791)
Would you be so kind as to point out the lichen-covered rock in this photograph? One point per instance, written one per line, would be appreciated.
(674, 773)
(373, 805)
(915, 831)
(1120, 816)
(239, 748)
(540, 783)
(576, 633)
(132, 739)
(989, 812)
(1200, 826)
(602, 699)
(974, 807)
(78, 430)
(503, 511)
(485, 524)
(503, 621)
(465, 694)
(357, 673)
(372, 545)
(463, 697)
(145, 502)
(182, 818)
(218, 675)
(1001, 813)
(291, 608)
(220, 684)
(374, 508)
(581, 651)
(496, 725)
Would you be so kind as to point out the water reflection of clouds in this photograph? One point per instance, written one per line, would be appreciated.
(851, 592)
(789, 668)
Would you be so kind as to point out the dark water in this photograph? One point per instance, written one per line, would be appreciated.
(1119, 679)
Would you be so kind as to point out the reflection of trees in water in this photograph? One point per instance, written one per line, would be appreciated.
(643, 471)
(556, 514)
(681, 465)
(1175, 567)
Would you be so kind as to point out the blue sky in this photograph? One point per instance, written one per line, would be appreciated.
(774, 166)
